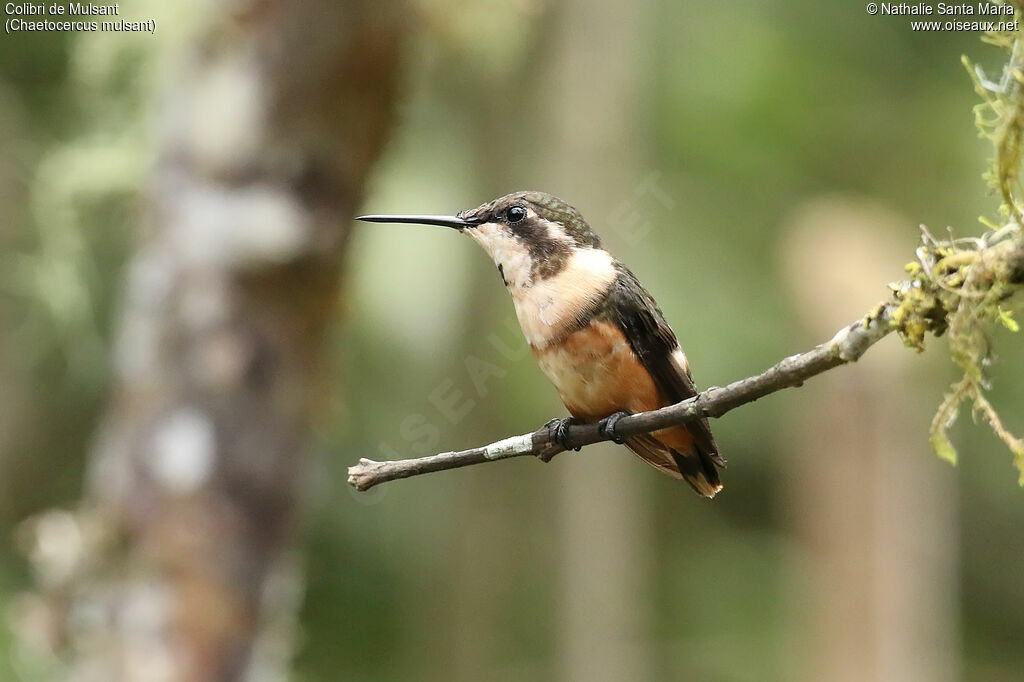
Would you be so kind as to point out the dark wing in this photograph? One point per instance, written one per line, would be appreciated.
(638, 316)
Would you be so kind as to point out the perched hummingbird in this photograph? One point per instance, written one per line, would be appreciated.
(595, 331)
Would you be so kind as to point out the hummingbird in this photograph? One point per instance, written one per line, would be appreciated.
(596, 333)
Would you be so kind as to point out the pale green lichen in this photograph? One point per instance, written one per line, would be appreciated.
(964, 285)
(961, 286)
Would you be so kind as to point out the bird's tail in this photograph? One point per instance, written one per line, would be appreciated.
(699, 471)
(696, 468)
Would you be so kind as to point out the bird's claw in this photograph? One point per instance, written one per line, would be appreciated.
(607, 427)
(559, 429)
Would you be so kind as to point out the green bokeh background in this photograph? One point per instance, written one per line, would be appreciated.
(741, 114)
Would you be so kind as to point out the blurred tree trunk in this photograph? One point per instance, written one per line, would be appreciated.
(268, 135)
(877, 515)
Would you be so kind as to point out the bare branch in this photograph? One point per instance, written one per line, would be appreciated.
(846, 346)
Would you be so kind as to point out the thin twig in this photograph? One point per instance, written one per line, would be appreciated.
(847, 346)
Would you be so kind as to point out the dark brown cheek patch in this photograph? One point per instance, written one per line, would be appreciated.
(549, 257)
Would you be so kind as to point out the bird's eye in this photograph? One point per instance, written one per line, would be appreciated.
(515, 214)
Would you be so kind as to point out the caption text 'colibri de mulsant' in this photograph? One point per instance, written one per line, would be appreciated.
(30, 17)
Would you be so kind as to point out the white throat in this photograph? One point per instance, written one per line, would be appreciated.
(508, 253)
(547, 308)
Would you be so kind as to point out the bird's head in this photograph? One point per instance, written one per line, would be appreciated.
(530, 236)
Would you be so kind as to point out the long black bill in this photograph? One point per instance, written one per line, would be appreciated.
(443, 220)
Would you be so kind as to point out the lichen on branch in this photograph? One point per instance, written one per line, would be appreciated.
(962, 286)
(965, 286)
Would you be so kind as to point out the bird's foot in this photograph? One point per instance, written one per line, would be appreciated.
(559, 430)
(607, 427)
